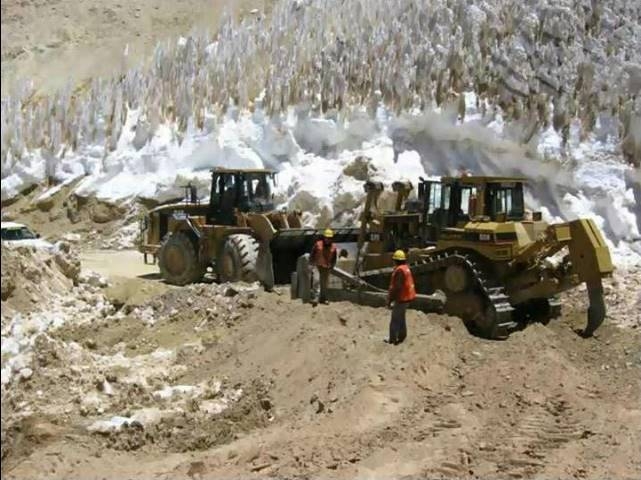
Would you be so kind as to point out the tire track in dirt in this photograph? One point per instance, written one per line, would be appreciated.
(543, 428)
(444, 418)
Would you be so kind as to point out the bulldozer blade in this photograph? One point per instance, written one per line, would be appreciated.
(596, 310)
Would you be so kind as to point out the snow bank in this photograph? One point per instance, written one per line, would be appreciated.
(587, 180)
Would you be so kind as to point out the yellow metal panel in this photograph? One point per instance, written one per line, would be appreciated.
(588, 250)
(490, 250)
(562, 232)
(522, 236)
(528, 227)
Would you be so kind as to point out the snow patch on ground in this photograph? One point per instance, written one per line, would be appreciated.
(83, 304)
(174, 398)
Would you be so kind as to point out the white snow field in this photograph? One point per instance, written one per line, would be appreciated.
(541, 90)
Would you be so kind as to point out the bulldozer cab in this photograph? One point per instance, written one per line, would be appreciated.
(242, 190)
(454, 201)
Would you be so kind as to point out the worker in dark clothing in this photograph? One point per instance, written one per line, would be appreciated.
(401, 293)
(193, 193)
(323, 257)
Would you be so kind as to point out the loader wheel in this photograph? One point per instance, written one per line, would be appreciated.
(178, 260)
(237, 261)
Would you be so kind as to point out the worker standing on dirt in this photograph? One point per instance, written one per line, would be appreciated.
(323, 257)
(401, 293)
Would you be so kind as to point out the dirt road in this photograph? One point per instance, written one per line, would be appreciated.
(117, 263)
(301, 391)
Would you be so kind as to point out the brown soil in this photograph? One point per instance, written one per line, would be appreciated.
(31, 277)
(61, 41)
(323, 396)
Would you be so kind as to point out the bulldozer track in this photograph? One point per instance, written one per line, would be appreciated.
(496, 320)
(497, 301)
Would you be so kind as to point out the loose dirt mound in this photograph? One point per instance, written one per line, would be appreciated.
(31, 276)
(220, 381)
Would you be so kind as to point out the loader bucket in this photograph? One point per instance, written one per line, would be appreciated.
(289, 244)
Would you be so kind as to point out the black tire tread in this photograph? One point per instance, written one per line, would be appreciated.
(245, 249)
(194, 270)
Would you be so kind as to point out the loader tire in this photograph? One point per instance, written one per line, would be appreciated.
(178, 260)
(237, 261)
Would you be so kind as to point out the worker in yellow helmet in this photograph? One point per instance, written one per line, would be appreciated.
(323, 257)
(401, 293)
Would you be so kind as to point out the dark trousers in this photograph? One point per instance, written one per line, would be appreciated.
(320, 284)
(397, 325)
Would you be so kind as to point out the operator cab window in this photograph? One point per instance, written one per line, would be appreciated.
(217, 189)
(258, 189)
(244, 187)
(227, 191)
(252, 187)
(445, 197)
(262, 191)
(507, 199)
(468, 196)
(434, 200)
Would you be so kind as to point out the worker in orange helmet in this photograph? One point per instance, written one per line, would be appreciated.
(323, 257)
(401, 293)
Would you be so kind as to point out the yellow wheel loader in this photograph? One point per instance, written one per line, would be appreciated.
(471, 238)
(238, 233)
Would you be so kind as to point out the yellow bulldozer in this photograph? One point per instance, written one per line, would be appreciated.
(471, 238)
(238, 234)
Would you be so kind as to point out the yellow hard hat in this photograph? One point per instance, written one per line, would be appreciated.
(399, 255)
(328, 233)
